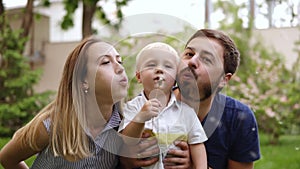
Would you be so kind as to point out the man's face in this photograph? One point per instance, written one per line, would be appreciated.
(201, 69)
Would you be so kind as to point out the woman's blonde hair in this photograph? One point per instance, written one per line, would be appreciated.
(67, 112)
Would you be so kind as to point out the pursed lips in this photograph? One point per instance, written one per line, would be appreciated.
(123, 81)
(158, 79)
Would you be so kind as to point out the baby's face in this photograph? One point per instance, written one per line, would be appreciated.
(158, 69)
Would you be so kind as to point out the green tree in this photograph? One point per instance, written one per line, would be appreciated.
(91, 9)
(262, 81)
(18, 101)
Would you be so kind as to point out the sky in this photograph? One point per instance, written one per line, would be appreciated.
(189, 11)
(192, 11)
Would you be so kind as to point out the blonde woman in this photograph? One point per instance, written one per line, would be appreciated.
(78, 128)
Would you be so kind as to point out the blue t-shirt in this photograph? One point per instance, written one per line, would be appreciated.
(232, 133)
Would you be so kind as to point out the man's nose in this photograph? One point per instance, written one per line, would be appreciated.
(194, 62)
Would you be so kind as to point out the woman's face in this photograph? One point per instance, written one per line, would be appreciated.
(105, 74)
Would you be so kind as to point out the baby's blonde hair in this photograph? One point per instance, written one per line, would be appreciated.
(155, 46)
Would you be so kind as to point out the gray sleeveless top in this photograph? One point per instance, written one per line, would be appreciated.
(103, 148)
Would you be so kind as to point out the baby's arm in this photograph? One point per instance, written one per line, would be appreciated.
(198, 154)
(135, 128)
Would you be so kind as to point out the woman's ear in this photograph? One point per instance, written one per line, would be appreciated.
(138, 76)
(225, 80)
(85, 86)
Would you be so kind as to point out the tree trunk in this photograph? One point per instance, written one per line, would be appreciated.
(27, 19)
(87, 18)
(207, 13)
(2, 17)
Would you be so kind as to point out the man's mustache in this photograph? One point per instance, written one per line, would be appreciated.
(188, 69)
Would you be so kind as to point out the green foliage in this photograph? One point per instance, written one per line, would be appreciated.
(284, 155)
(262, 81)
(18, 101)
(70, 8)
(72, 5)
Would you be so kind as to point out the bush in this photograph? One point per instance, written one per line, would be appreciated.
(18, 101)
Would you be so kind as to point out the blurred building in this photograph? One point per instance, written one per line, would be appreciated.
(49, 45)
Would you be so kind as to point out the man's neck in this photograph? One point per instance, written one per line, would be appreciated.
(204, 107)
(201, 107)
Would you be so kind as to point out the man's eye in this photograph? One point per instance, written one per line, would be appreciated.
(189, 54)
(206, 60)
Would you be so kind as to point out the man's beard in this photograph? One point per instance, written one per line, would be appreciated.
(192, 92)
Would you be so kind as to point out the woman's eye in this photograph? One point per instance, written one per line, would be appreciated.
(105, 62)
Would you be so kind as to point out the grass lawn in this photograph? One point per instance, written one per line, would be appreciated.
(285, 155)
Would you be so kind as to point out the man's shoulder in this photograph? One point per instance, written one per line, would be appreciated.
(233, 109)
(233, 103)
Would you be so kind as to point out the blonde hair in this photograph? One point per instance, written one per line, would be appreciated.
(67, 136)
(155, 46)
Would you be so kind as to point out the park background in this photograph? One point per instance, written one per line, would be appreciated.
(268, 79)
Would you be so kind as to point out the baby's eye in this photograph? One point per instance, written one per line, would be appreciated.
(151, 65)
(168, 66)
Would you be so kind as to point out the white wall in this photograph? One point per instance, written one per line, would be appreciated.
(281, 39)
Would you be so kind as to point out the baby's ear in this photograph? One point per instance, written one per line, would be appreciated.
(138, 76)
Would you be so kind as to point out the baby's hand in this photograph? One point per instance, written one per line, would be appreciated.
(150, 109)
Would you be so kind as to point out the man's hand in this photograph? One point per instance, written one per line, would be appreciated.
(139, 155)
(179, 157)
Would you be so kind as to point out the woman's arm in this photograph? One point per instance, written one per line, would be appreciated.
(13, 154)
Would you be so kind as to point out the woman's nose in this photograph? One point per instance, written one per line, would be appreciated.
(119, 68)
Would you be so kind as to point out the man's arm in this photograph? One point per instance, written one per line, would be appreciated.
(134, 156)
(240, 165)
(180, 157)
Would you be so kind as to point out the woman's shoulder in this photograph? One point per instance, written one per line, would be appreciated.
(42, 136)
